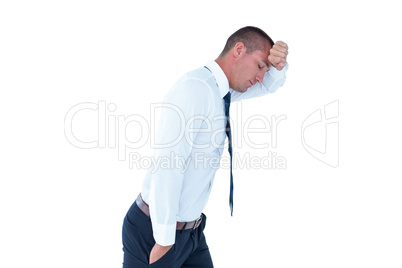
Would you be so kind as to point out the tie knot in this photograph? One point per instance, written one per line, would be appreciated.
(227, 98)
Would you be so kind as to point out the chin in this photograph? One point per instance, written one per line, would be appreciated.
(241, 90)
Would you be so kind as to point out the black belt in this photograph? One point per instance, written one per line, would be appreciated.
(180, 225)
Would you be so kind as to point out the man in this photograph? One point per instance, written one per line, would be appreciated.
(164, 226)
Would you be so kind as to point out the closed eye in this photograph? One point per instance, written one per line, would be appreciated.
(260, 67)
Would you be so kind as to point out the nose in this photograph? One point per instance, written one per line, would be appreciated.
(260, 76)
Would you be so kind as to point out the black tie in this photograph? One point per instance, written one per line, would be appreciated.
(229, 134)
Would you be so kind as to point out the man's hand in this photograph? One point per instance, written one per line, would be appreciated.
(278, 54)
(157, 252)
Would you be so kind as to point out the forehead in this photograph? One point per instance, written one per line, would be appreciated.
(262, 56)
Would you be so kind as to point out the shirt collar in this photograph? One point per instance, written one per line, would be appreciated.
(220, 77)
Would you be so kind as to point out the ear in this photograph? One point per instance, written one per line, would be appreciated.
(239, 49)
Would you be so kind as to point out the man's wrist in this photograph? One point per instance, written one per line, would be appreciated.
(275, 73)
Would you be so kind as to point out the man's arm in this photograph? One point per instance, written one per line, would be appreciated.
(273, 79)
(173, 138)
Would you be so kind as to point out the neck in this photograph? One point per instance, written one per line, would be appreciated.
(226, 67)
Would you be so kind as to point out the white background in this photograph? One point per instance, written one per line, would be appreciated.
(62, 206)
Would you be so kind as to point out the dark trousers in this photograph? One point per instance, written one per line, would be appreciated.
(190, 248)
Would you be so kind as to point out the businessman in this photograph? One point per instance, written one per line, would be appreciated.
(164, 226)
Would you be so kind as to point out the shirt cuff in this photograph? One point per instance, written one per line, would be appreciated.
(164, 235)
(273, 72)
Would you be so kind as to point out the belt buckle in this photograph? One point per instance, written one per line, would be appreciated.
(196, 222)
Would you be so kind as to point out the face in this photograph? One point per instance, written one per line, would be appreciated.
(250, 69)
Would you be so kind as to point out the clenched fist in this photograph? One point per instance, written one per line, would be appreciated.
(278, 54)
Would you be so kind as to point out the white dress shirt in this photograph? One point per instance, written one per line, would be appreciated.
(189, 143)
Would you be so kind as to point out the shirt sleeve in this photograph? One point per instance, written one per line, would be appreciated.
(184, 109)
(273, 80)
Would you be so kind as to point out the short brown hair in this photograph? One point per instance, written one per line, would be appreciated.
(253, 39)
